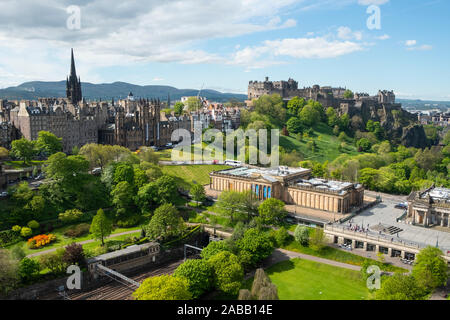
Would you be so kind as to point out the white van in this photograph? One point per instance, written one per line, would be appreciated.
(233, 163)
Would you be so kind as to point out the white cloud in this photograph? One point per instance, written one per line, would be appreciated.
(122, 33)
(271, 52)
(412, 45)
(424, 47)
(384, 37)
(346, 33)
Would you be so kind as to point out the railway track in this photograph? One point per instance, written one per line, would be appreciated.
(113, 290)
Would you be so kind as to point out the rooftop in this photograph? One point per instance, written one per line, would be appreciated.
(270, 174)
(327, 185)
(126, 251)
(440, 194)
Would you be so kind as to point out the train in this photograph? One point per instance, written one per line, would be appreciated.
(133, 257)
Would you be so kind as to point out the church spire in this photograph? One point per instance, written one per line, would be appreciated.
(73, 87)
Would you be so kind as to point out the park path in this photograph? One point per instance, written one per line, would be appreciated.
(82, 242)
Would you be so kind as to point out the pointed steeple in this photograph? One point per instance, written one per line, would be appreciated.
(73, 90)
(73, 71)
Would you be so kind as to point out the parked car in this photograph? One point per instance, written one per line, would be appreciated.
(402, 205)
(3, 194)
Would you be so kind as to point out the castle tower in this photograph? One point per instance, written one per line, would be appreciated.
(73, 84)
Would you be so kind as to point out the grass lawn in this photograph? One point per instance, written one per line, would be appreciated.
(327, 145)
(186, 175)
(336, 255)
(21, 165)
(300, 279)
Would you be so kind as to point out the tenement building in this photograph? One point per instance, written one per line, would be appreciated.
(291, 185)
(430, 207)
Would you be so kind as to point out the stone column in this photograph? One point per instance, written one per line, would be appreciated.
(390, 252)
(403, 254)
(377, 248)
(341, 240)
(353, 244)
(365, 246)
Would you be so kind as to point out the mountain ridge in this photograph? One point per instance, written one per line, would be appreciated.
(106, 91)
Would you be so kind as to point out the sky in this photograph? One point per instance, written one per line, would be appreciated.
(363, 45)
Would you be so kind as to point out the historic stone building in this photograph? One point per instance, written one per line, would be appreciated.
(76, 125)
(291, 185)
(327, 96)
(430, 207)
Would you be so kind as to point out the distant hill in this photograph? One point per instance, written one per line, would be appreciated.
(107, 91)
(424, 104)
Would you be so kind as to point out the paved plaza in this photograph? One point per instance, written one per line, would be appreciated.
(386, 214)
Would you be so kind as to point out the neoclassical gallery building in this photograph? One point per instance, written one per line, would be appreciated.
(291, 185)
(430, 207)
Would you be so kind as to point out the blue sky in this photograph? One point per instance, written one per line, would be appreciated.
(223, 45)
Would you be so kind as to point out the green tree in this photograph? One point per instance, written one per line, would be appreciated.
(166, 222)
(301, 235)
(257, 243)
(198, 273)
(101, 226)
(4, 153)
(227, 271)
(348, 94)
(363, 145)
(295, 105)
(400, 287)
(309, 116)
(430, 269)
(167, 189)
(213, 248)
(28, 270)
(124, 172)
(198, 193)
(71, 215)
(317, 239)
(48, 143)
(272, 107)
(193, 104)
(9, 272)
(23, 149)
(53, 261)
(122, 198)
(178, 108)
(262, 287)
(163, 287)
(294, 125)
(231, 204)
(148, 155)
(272, 211)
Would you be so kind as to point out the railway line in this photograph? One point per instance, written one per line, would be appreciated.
(113, 290)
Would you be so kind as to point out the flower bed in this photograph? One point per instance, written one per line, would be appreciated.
(41, 241)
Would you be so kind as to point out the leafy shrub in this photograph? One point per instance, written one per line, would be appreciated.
(74, 254)
(301, 235)
(54, 261)
(281, 236)
(214, 248)
(70, 215)
(33, 224)
(77, 231)
(28, 270)
(16, 228)
(198, 274)
(8, 237)
(128, 222)
(26, 232)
